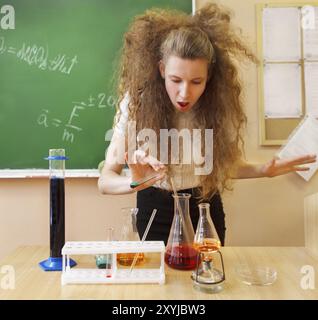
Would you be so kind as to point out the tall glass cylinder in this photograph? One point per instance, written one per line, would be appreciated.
(57, 201)
(57, 211)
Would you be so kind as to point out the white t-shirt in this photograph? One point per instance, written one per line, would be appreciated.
(183, 174)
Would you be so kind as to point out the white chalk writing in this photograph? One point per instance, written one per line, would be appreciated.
(71, 126)
(38, 56)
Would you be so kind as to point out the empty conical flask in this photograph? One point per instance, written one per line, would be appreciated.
(180, 253)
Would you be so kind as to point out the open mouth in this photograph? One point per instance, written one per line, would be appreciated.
(183, 104)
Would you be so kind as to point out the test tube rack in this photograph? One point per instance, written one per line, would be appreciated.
(92, 276)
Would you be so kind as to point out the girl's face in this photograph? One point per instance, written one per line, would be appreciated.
(185, 80)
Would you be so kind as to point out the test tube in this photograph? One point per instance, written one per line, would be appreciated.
(109, 256)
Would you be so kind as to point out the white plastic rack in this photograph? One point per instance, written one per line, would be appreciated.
(137, 275)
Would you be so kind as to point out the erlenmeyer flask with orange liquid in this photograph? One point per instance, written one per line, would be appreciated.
(209, 273)
(206, 237)
(180, 253)
(129, 233)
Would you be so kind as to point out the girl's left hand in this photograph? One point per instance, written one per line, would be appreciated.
(277, 167)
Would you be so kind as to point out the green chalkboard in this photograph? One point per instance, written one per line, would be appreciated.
(56, 71)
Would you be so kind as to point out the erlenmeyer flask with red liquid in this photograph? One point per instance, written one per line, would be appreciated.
(180, 253)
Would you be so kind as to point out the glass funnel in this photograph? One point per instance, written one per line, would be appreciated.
(180, 253)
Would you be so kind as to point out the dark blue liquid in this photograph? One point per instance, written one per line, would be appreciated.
(57, 217)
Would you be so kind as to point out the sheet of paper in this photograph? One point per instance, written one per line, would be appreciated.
(302, 141)
(281, 34)
(310, 31)
(282, 91)
(311, 81)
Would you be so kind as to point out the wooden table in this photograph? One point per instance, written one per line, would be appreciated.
(33, 283)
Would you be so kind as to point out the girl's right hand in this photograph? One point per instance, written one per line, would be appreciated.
(143, 166)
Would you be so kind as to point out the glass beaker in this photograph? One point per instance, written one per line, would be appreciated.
(129, 233)
(209, 273)
(180, 253)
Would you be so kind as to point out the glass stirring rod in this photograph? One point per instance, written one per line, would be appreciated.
(144, 237)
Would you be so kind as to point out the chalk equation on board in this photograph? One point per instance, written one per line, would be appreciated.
(38, 56)
(71, 126)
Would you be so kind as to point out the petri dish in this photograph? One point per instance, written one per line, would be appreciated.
(256, 275)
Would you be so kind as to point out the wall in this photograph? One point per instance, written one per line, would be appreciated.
(24, 211)
(259, 212)
(267, 211)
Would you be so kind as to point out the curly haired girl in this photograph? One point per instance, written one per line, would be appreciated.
(180, 72)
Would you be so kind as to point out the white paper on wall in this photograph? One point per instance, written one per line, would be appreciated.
(310, 32)
(311, 84)
(281, 34)
(282, 91)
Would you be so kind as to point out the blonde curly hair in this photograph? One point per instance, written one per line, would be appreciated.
(208, 34)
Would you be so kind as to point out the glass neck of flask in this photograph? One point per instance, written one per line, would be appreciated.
(204, 209)
(203, 229)
(130, 218)
(181, 204)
